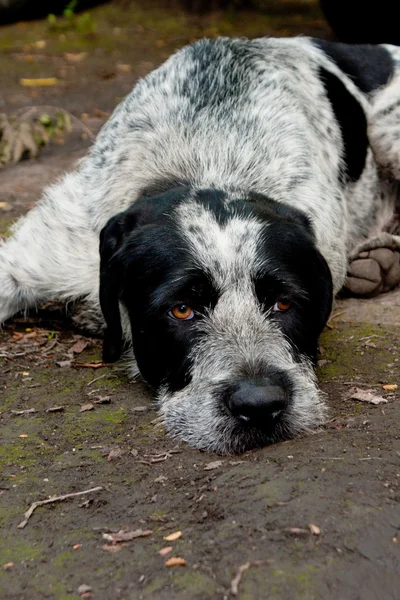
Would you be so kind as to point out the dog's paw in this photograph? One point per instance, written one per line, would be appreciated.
(373, 272)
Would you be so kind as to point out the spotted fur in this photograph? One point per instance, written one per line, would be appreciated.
(236, 168)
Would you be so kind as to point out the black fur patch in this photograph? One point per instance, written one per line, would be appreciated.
(353, 124)
(295, 271)
(367, 65)
(147, 265)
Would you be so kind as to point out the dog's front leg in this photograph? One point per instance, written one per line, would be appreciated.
(52, 253)
(375, 262)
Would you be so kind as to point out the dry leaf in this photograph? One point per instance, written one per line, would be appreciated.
(213, 465)
(165, 551)
(8, 565)
(115, 453)
(38, 82)
(175, 561)
(86, 407)
(64, 363)
(78, 347)
(390, 387)
(172, 537)
(367, 396)
(55, 409)
(101, 399)
(126, 536)
(315, 530)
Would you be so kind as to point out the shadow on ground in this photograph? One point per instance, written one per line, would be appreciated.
(314, 517)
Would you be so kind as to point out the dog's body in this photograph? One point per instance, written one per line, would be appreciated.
(248, 171)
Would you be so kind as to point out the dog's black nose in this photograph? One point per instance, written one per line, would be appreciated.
(258, 403)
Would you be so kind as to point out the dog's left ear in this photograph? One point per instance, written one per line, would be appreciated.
(111, 269)
(110, 287)
(142, 212)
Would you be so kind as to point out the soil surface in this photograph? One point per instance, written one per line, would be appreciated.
(315, 517)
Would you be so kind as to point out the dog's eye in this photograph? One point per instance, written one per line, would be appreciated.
(282, 305)
(182, 311)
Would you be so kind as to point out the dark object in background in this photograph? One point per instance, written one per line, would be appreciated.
(24, 10)
(361, 22)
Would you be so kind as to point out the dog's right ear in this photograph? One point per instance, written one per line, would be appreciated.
(110, 287)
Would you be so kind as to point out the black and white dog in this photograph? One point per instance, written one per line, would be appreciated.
(228, 192)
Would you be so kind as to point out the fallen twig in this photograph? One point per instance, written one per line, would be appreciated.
(236, 580)
(108, 375)
(296, 531)
(47, 348)
(17, 354)
(23, 412)
(34, 506)
(97, 378)
(157, 458)
(333, 316)
(326, 458)
(90, 365)
(126, 536)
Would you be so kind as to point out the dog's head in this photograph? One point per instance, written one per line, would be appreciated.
(226, 298)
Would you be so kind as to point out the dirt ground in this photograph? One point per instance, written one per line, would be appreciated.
(316, 517)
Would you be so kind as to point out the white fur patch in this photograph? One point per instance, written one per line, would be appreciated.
(239, 341)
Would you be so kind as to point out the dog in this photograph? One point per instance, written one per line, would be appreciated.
(227, 194)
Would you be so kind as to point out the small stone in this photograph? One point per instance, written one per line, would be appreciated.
(213, 465)
(315, 530)
(83, 589)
